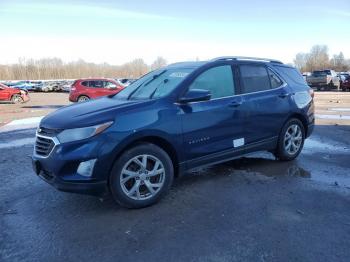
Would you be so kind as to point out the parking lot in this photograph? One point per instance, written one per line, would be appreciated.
(251, 209)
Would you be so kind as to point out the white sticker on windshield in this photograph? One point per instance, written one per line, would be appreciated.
(179, 74)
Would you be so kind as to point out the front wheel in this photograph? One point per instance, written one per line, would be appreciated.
(141, 176)
(291, 140)
(17, 99)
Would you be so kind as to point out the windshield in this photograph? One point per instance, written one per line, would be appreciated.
(321, 73)
(155, 84)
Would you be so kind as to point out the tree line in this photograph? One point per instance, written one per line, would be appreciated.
(55, 68)
(318, 58)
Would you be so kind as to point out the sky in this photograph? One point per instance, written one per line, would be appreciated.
(120, 31)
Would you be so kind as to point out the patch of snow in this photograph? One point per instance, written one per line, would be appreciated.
(340, 109)
(25, 123)
(18, 143)
(312, 144)
(337, 117)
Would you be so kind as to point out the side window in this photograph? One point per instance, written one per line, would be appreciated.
(274, 79)
(108, 84)
(254, 78)
(96, 83)
(85, 83)
(217, 80)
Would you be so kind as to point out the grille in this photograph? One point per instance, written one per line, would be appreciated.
(48, 132)
(43, 146)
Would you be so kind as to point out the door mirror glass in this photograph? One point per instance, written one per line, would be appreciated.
(196, 95)
(112, 86)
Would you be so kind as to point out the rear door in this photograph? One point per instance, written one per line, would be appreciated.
(211, 126)
(266, 102)
(93, 88)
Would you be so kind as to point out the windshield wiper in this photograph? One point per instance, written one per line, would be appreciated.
(147, 83)
(155, 90)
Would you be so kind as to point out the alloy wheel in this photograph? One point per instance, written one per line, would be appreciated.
(293, 139)
(142, 177)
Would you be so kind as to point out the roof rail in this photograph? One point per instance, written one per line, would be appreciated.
(247, 58)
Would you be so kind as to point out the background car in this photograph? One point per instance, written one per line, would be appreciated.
(89, 88)
(13, 95)
(345, 85)
(326, 79)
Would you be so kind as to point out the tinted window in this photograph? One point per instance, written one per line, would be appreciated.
(254, 78)
(217, 80)
(85, 83)
(291, 75)
(274, 79)
(96, 84)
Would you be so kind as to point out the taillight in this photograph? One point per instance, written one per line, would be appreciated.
(311, 92)
(73, 88)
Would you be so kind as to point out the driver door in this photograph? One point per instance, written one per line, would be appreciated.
(213, 126)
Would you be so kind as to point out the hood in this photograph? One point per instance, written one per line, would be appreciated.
(90, 113)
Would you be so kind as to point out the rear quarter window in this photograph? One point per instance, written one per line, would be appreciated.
(291, 75)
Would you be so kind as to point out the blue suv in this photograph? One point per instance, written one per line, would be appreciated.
(171, 120)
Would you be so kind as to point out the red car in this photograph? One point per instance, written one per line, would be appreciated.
(89, 88)
(345, 85)
(13, 95)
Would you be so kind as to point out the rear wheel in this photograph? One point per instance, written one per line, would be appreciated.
(291, 140)
(17, 99)
(83, 98)
(141, 176)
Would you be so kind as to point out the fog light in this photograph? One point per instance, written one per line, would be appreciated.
(86, 168)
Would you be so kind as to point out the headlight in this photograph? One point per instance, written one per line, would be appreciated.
(75, 134)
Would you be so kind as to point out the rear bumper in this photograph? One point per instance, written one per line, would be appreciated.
(310, 129)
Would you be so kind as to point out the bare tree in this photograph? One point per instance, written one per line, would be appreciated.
(300, 61)
(158, 63)
(55, 68)
(318, 59)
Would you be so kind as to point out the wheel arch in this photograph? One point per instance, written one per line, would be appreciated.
(83, 95)
(302, 120)
(159, 141)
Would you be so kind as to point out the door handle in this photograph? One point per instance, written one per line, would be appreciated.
(235, 103)
(284, 95)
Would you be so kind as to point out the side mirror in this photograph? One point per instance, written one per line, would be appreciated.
(112, 86)
(195, 95)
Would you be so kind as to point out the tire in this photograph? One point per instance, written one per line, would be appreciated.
(17, 99)
(289, 149)
(83, 98)
(134, 190)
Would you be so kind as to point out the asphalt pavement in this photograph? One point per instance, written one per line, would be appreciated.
(250, 209)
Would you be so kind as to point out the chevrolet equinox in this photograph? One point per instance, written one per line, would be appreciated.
(174, 119)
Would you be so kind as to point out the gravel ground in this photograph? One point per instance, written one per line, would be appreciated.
(251, 209)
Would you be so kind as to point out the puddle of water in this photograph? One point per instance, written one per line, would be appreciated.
(336, 117)
(262, 167)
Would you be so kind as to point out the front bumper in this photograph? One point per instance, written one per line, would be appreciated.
(74, 186)
(85, 187)
(60, 167)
